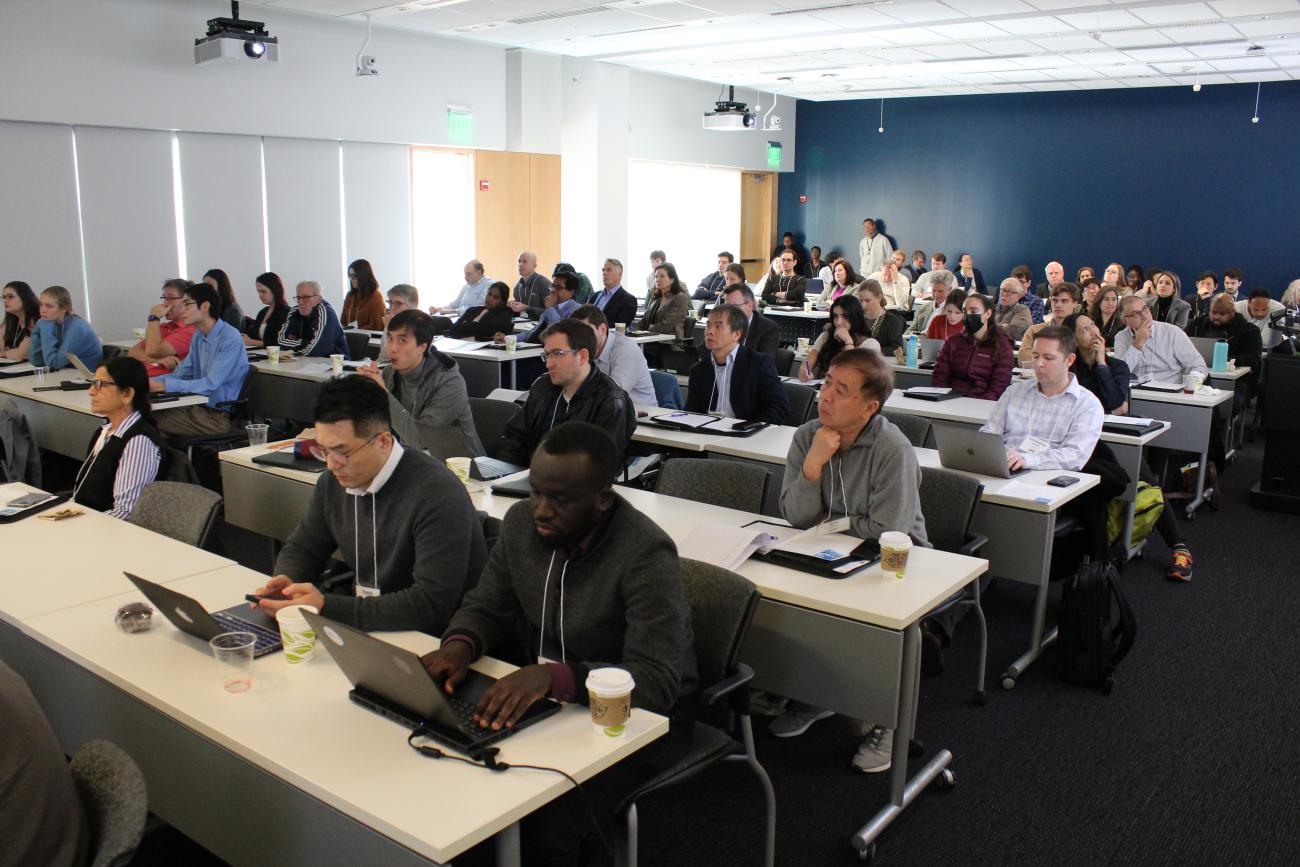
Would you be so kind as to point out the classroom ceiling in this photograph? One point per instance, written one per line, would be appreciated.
(862, 49)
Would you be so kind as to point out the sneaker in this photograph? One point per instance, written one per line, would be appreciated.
(797, 719)
(1180, 568)
(767, 704)
(875, 753)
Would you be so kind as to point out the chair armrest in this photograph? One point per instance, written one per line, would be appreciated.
(974, 542)
(228, 405)
(729, 684)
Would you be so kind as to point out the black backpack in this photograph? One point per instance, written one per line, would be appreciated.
(1088, 643)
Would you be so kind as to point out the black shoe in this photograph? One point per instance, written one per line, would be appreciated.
(931, 649)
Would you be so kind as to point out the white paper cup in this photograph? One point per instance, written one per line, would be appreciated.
(336, 364)
(459, 466)
(139, 333)
(894, 548)
(621, 328)
(296, 633)
(512, 341)
(273, 354)
(803, 344)
(609, 692)
(807, 307)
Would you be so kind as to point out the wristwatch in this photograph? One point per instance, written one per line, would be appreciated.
(153, 318)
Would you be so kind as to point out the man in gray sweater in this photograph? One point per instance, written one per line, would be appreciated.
(851, 462)
(426, 393)
(586, 581)
(401, 520)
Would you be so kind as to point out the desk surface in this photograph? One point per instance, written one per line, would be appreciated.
(50, 565)
(76, 401)
(1178, 398)
(298, 724)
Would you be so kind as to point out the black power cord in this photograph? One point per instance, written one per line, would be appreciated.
(487, 759)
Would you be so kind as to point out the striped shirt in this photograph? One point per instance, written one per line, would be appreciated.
(137, 467)
(1069, 423)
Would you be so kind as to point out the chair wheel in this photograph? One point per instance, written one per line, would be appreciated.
(1191, 516)
(867, 855)
(947, 779)
(1008, 682)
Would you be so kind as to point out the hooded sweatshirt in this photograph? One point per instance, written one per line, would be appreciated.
(431, 397)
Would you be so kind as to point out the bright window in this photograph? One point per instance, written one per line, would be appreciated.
(442, 221)
(690, 212)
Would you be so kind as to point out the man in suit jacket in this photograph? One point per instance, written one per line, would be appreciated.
(618, 304)
(761, 334)
(732, 381)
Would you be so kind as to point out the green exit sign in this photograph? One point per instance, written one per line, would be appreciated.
(774, 155)
(460, 125)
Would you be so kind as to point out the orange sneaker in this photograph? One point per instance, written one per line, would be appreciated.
(1180, 568)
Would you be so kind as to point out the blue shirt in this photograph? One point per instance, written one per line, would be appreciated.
(52, 340)
(216, 365)
(602, 297)
(472, 294)
(550, 316)
(1035, 305)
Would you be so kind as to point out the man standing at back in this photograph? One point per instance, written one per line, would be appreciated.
(402, 522)
(874, 249)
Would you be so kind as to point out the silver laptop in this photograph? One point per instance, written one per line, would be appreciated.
(930, 349)
(86, 373)
(1205, 346)
(972, 450)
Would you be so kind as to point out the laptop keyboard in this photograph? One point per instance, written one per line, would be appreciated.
(464, 712)
(267, 640)
(490, 468)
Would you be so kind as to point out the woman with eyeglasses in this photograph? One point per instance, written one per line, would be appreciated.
(1105, 314)
(491, 318)
(363, 306)
(950, 323)
(61, 331)
(846, 330)
(231, 313)
(270, 319)
(21, 313)
(127, 453)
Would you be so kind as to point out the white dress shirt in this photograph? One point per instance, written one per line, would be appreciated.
(722, 383)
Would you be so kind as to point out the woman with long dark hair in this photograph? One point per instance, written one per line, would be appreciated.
(1105, 314)
(270, 319)
(977, 362)
(669, 302)
(491, 318)
(21, 313)
(844, 281)
(128, 450)
(231, 313)
(846, 330)
(363, 306)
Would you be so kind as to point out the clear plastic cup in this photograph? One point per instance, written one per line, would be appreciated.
(257, 434)
(296, 633)
(235, 651)
(139, 333)
(40, 375)
(459, 466)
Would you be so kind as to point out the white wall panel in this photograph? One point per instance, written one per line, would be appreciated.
(377, 209)
(40, 240)
(128, 222)
(302, 212)
(221, 177)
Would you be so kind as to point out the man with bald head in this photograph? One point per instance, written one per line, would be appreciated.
(1055, 272)
(529, 296)
(1245, 341)
(474, 290)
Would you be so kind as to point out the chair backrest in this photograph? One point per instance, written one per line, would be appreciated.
(110, 351)
(784, 361)
(178, 468)
(112, 790)
(183, 512)
(730, 484)
(490, 418)
(917, 429)
(358, 343)
(667, 392)
(948, 502)
(722, 606)
(801, 399)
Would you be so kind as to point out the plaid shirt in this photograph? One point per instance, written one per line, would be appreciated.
(1070, 423)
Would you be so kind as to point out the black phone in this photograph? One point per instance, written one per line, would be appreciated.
(1062, 481)
(273, 597)
(748, 425)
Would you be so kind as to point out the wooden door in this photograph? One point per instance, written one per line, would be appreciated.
(757, 221)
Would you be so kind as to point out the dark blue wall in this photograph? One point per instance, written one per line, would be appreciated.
(1155, 176)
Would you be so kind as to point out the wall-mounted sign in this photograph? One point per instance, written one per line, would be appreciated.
(484, 185)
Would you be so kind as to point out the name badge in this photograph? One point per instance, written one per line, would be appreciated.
(546, 660)
(1033, 445)
(364, 592)
(838, 525)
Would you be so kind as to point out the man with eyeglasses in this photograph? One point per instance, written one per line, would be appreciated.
(167, 337)
(572, 390)
(733, 381)
(312, 327)
(400, 520)
(215, 366)
(1154, 350)
(787, 287)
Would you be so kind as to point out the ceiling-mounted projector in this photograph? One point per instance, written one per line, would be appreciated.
(729, 115)
(234, 37)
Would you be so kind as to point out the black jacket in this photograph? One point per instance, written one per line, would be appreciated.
(274, 318)
(500, 319)
(598, 400)
(98, 474)
(621, 307)
(756, 390)
(1245, 341)
(763, 335)
(793, 287)
(1109, 382)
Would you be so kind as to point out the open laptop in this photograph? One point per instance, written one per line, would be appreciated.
(190, 617)
(929, 351)
(392, 682)
(86, 375)
(973, 451)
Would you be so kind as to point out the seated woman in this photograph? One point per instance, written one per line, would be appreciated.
(846, 330)
(21, 313)
(949, 324)
(270, 319)
(884, 326)
(127, 453)
(231, 313)
(1106, 315)
(61, 331)
(845, 281)
(669, 303)
(493, 317)
(977, 362)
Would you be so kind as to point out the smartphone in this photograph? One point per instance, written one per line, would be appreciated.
(274, 597)
(29, 500)
(1062, 481)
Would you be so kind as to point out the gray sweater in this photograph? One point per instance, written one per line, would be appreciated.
(621, 603)
(431, 397)
(427, 546)
(880, 478)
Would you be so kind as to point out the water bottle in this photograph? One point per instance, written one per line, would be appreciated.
(1220, 362)
(912, 346)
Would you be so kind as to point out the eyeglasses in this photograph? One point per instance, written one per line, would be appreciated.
(341, 456)
(169, 297)
(98, 384)
(9, 297)
(189, 302)
(305, 297)
(557, 354)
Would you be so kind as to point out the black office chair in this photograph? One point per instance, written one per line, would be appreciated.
(784, 361)
(802, 398)
(722, 607)
(490, 419)
(358, 344)
(110, 351)
(235, 436)
(729, 484)
(918, 430)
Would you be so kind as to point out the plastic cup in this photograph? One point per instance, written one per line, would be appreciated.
(296, 633)
(139, 333)
(235, 651)
(336, 364)
(512, 341)
(257, 434)
(803, 344)
(609, 692)
(621, 328)
(273, 354)
(807, 307)
(40, 375)
(459, 466)
(894, 548)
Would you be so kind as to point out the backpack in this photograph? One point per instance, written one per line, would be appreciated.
(1088, 644)
(1150, 502)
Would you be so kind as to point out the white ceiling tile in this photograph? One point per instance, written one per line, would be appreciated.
(1077, 42)
(1102, 19)
(1272, 27)
(852, 18)
(1233, 8)
(1053, 5)
(1134, 38)
(953, 50)
(1053, 85)
(852, 40)
(737, 7)
(1203, 33)
(980, 8)
(1152, 55)
(1176, 14)
(1022, 76)
(1267, 75)
(1008, 46)
(1190, 66)
(1244, 64)
(908, 36)
(1220, 49)
(1288, 60)
(920, 12)
(1049, 61)
(1036, 26)
(1101, 58)
(966, 30)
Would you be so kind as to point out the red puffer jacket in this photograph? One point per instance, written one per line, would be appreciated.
(971, 368)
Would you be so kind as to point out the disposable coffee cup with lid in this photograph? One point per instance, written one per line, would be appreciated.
(609, 692)
(894, 548)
